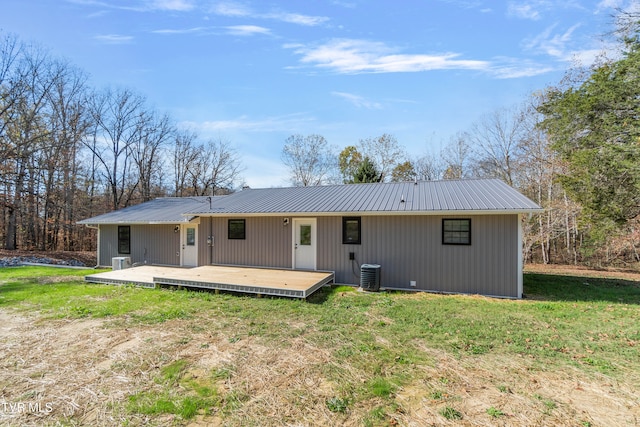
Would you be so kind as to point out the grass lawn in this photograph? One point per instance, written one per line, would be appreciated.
(88, 354)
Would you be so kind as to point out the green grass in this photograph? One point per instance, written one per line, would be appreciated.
(494, 412)
(451, 413)
(376, 341)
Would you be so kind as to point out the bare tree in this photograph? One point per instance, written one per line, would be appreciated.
(429, 167)
(497, 139)
(11, 85)
(385, 152)
(214, 169)
(68, 121)
(117, 114)
(456, 157)
(309, 159)
(184, 155)
(23, 136)
(153, 134)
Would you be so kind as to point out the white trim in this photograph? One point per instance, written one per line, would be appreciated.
(520, 260)
(98, 247)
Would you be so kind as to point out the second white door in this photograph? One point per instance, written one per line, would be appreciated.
(304, 243)
(189, 245)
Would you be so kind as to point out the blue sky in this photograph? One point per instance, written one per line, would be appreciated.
(255, 72)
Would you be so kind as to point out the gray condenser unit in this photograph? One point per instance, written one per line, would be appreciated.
(370, 277)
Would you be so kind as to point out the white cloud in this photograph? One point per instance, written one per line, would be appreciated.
(524, 11)
(141, 6)
(350, 56)
(236, 30)
(183, 31)
(551, 44)
(296, 18)
(247, 30)
(295, 122)
(358, 101)
(114, 39)
(511, 68)
(177, 5)
(610, 4)
(233, 9)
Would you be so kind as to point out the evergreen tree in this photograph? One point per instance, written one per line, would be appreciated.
(366, 172)
(595, 130)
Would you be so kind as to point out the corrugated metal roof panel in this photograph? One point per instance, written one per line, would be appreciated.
(158, 211)
(424, 196)
(481, 195)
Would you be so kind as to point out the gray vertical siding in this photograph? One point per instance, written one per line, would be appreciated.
(267, 243)
(153, 244)
(410, 248)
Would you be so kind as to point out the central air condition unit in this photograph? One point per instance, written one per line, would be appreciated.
(120, 262)
(370, 277)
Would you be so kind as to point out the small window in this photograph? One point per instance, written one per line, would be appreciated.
(305, 235)
(456, 231)
(237, 229)
(351, 230)
(124, 239)
(191, 236)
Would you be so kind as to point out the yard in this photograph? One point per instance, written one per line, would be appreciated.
(78, 354)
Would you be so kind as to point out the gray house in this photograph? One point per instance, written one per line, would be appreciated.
(459, 236)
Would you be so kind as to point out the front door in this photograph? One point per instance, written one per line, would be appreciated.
(189, 245)
(304, 243)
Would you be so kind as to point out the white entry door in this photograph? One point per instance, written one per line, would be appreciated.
(189, 245)
(304, 243)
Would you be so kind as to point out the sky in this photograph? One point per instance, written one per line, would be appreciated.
(255, 72)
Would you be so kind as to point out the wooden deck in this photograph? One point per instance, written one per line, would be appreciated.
(261, 281)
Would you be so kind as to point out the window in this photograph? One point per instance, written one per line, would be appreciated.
(351, 230)
(124, 239)
(456, 231)
(305, 235)
(191, 236)
(237, 229)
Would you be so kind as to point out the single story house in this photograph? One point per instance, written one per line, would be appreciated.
(458, 236)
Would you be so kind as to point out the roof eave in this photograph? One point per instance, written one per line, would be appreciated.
(376, 213)
(179, 221)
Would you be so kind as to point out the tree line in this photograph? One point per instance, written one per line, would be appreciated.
(574, 148)
(69, 151)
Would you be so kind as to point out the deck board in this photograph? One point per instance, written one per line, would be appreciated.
(263, 281)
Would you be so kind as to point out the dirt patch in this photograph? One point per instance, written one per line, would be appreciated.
(82, 372)
(519, 394)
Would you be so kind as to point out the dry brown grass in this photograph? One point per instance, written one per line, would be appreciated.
(85, 371)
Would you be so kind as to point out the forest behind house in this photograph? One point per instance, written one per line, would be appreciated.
(69, 151)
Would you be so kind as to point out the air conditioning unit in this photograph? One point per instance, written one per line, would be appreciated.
(120, 262)
(370, 277)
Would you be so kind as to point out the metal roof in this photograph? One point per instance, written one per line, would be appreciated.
(164, 210)
(426, 197)
(448, 196)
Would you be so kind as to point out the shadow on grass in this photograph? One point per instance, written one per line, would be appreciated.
(549, 287)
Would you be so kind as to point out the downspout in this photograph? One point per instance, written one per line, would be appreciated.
(97, 243)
